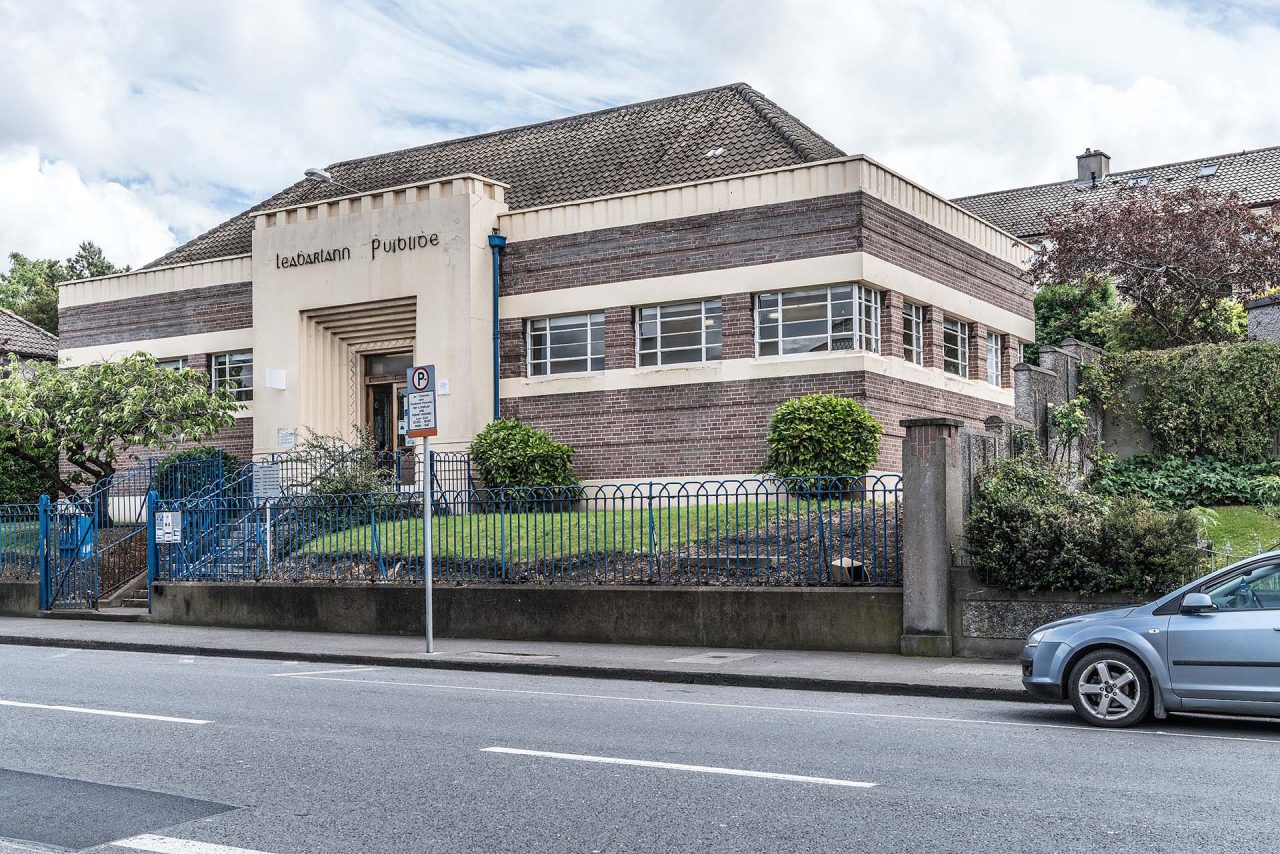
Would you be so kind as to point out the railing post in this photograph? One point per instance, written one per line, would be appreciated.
(153, 551)
(46, 582)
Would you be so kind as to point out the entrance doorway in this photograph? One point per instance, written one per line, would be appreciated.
(385, 398)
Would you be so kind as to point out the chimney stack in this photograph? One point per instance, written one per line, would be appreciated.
(1092, 166)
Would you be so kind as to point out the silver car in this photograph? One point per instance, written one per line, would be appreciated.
(1211, 646)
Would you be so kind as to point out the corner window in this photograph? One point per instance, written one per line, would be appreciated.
(913, 333)
(572, 344)
(995, 349)
(846, 317)
(678, 334)
(177, 363)
(955, 346)
(233, 371)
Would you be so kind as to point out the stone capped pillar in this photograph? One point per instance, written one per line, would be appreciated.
(932, 528)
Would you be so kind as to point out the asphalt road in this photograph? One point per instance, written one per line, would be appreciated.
(281, 758)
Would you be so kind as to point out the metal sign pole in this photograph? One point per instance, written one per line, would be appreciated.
(427, 566)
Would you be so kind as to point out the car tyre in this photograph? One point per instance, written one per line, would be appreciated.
(1110, 688)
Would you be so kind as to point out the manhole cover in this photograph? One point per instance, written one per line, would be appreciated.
(76, 814)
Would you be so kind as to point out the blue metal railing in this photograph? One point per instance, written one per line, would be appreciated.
(748, 532)
(20, 545)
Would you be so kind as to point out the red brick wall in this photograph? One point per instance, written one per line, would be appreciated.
(187, 312)
(719, 428)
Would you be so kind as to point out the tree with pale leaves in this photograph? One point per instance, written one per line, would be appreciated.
(1181, 260)
(90, 414)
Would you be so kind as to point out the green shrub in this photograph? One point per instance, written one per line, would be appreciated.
(1068, 310)
(822, 435)
(21, 482)
(186, 473)
(509, 453)
(1176, 483)
(1206, 400)
(1027, 530)
(347, 467)
(1146, 551)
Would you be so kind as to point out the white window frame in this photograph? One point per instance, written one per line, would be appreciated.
(174, 363)
(594, 322)
(995, 358)
(960, 328)
(710, 325)
(913, 352)
(220, 374)
(866, 305)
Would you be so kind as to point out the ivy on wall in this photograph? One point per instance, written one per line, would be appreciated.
(1205, 400)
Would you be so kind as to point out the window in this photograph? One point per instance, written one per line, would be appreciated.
(572, 344)
(177, 363)
(1258, 589)
(1139, 181)
(955, 346)
(1208, 170)
(995, 349)
(676, 334)
(913, 333)
(234, 371)
(846, 317)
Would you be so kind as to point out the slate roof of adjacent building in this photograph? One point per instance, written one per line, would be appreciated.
(617, 150)
(23, 338)
(1255, 175)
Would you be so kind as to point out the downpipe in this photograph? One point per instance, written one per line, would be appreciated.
(496, 243)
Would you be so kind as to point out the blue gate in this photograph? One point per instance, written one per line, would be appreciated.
(70, 562)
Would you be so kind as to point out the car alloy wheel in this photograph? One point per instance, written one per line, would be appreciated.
(1110, 690)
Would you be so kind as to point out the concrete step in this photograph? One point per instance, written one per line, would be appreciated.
(114, 615)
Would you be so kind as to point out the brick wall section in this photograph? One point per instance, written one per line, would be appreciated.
(738, 326)
(738, 238)
(977, 352)
(932, 337)
(511, 348)
(719, 428)
(1008, 358)
(187, 312)
(619, 338)
(763, 234)
(891, 325)
(896, 236)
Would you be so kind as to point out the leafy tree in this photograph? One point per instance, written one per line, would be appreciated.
(1178, 258)
(30, 288)
(1071, 310)
(89, 414)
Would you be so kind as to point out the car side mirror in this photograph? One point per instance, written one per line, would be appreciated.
(1195, 603)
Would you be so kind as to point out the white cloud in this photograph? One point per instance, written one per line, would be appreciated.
(156, 116)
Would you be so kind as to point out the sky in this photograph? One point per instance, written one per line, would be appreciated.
(139, 125)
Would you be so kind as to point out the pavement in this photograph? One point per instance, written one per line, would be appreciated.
(116, 752)
(755, 668)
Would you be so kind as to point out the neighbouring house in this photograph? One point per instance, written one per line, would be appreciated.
(25, 340)
(1254, 175)
(647, 282)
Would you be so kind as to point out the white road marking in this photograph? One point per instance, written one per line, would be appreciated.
(169, 845)
(677, 766)
(801, 709)
(316, 672)
(107, 712)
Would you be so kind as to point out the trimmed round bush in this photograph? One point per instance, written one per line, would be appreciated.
(822, 435)
(509, 453)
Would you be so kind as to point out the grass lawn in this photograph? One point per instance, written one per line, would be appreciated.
(1244, 528)
(544, 535)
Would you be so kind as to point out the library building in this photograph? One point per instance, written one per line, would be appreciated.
(646, 282)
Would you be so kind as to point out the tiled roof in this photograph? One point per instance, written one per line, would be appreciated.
(1255, 175)
(23, 338)
(633, 147)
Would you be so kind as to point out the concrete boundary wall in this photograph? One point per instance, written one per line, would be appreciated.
(19, 598)
(842, 619)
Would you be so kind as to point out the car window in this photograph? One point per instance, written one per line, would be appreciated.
(1258, 589)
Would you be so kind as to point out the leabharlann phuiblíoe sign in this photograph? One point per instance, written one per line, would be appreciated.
(420, 409)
